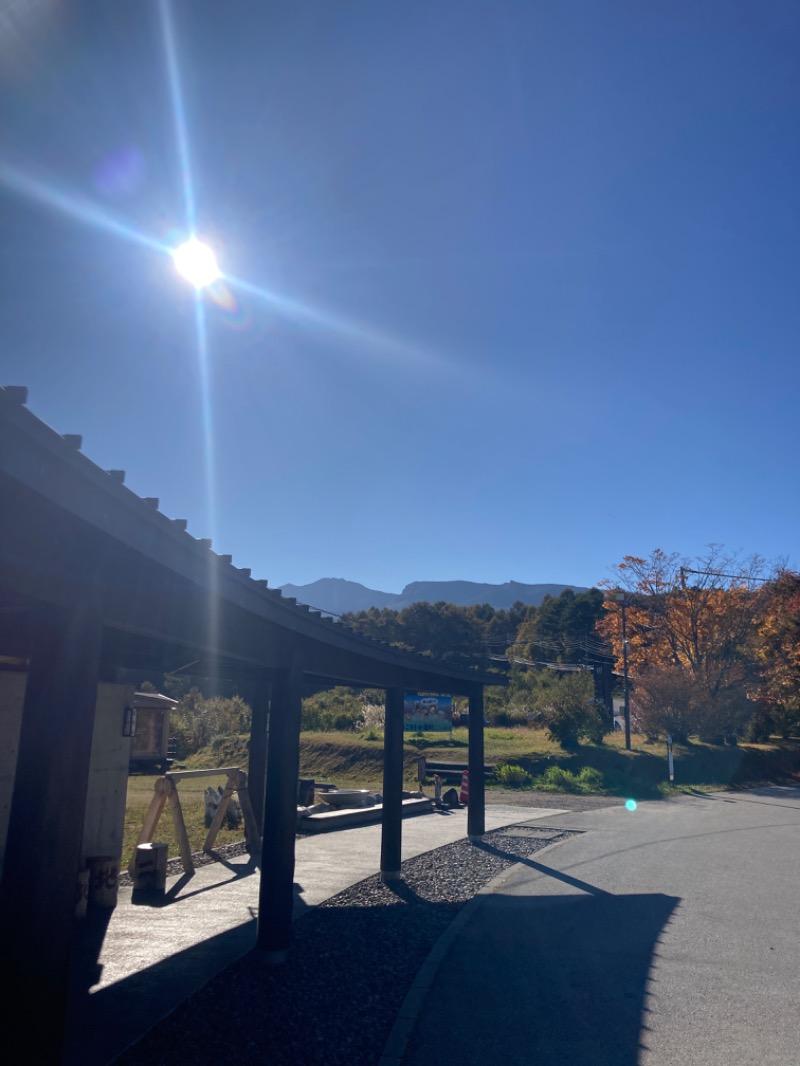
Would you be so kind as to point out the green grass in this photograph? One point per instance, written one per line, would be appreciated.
(349, 760)
(140, 793)
(642, 771)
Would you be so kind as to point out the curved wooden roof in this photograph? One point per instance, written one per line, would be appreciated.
(75, 530)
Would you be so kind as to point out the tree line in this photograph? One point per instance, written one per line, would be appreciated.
(559, 629)
(713, 648)
(713, 643)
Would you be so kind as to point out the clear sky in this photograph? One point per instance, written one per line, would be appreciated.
(523, 275)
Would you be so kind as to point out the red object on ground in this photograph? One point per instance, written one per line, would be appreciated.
(463, 796)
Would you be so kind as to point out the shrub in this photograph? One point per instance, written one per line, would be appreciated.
(336, 709)
(570, 713)
(512, 776)
(510, 717)
(374, 716)
(197, 720)
(785, 719)
(591, 779)
(557, 779)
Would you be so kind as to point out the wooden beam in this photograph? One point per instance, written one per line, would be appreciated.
(43, 847)
(223, 771)
(184, 847)
(392, 820)
(276, 888)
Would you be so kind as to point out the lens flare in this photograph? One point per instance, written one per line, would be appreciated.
(234, 313)
(121, 172)
(630, 805)
(196, 262)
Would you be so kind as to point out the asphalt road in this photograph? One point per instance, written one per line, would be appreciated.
(665, 935)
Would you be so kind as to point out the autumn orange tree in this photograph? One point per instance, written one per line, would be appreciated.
(778, 655)
(691, 618)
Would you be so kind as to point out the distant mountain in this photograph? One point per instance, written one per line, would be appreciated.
(335, 595)
(338, 596)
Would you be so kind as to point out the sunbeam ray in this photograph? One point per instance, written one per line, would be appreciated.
(195, 261)
(178, 114)
(201, 336)
(365, 335)
(74, 206)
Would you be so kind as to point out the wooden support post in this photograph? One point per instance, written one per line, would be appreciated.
(476, 810)
(392, 821)
(237, 782)
(257, 762)
(252, 836)
(184, 847)
(165, 788)
(43, 847)
(276, 888)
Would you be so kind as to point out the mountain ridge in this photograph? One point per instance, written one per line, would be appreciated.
(338, 595)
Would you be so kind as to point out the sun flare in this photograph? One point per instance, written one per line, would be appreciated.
(196, 262)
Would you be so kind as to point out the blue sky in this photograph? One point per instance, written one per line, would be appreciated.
(524, 275)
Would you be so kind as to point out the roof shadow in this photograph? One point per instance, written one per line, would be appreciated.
(103, 1022)
(548, 979)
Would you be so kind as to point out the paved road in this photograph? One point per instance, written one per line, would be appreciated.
(656, 937)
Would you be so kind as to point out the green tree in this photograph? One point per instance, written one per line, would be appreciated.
(563, 627)
(440, 630)
(569, 712)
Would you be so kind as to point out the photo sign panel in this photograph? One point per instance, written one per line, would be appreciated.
(426, 713)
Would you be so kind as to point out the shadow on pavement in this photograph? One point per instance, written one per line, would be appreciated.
(547, 979)
(754, 795)
(549, 871)
(101, 1024)
(332, 1003)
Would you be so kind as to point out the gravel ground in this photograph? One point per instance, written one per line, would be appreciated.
(353, 959)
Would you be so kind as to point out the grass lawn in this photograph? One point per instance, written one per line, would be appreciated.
(140, 793)
(351, 761)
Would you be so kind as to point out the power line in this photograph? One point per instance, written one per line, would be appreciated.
(719, 573)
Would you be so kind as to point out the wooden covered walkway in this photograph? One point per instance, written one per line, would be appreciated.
(95, 580)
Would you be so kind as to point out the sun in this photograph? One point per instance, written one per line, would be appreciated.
(196, 262)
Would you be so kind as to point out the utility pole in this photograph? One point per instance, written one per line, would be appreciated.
(621, 599)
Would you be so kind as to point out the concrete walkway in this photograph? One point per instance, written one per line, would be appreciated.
(659, 937)
(133, 965)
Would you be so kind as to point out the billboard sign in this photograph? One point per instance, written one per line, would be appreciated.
(426, 713)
